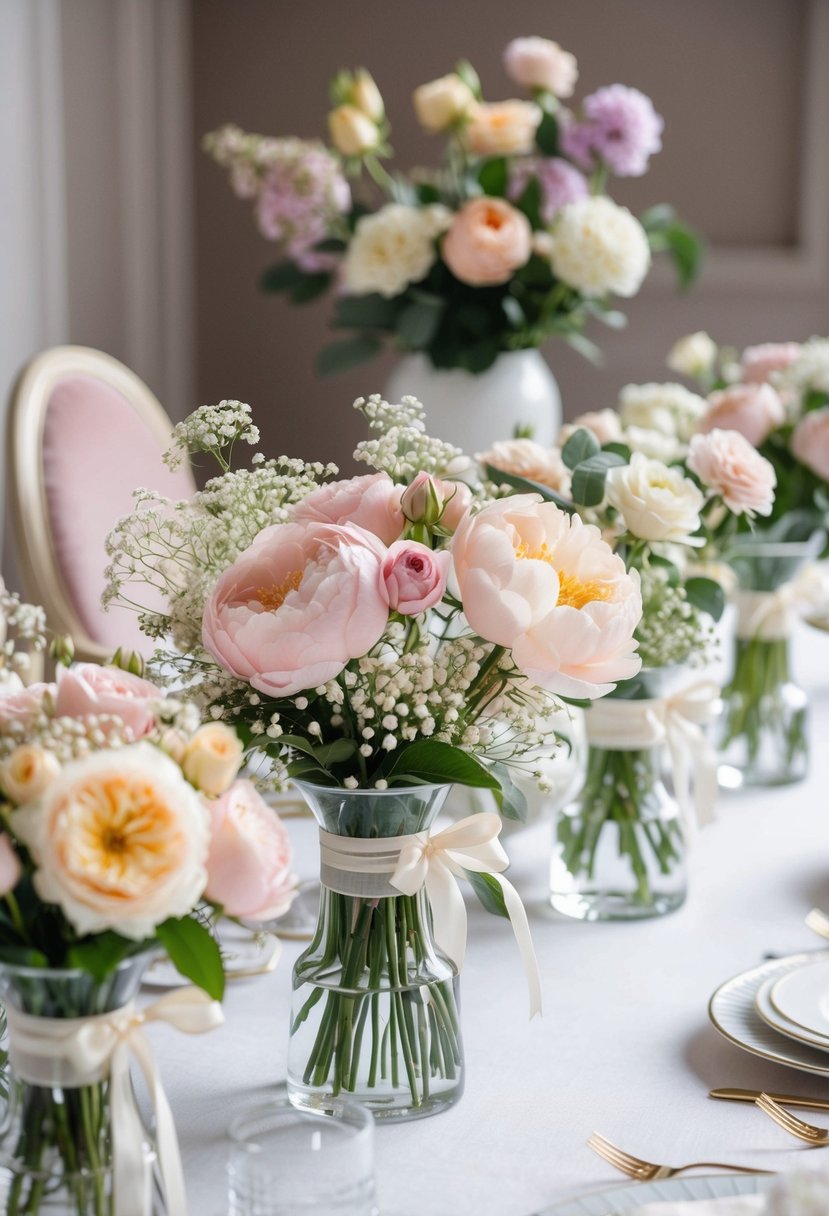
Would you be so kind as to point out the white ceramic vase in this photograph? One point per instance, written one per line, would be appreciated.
(473, 411)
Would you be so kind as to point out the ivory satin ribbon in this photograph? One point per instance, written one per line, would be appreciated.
(74, 1052)
(769, 615)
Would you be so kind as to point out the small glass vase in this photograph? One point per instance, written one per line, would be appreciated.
(375, 1002)
(619, 847)
(56, 1139)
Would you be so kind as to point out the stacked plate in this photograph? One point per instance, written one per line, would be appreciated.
(779, 1011)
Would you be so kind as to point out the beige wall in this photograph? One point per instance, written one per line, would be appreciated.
(729, 76)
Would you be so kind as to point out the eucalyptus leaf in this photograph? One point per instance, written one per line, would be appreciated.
(501, 478)
(588, 484)
(580, 446)
(707, 595)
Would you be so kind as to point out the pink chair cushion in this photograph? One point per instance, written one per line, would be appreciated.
(96, 451)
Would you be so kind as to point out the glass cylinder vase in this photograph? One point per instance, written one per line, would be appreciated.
(375, 1002)
(56, 1131)
(619, 847)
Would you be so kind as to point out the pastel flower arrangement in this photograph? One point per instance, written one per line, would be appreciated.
(512, 240)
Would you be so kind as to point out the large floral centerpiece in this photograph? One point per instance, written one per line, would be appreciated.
(511, 240)
(379, 638)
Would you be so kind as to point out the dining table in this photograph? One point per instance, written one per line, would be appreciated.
(624, 1046)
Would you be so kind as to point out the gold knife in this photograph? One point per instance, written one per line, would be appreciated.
(749, 1095)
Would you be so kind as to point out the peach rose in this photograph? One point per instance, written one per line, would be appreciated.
(545, 584)
(25, 705)
(488, 240)
(371, 502)
(249, 861)
(297, 605)
(503, 128)
(526, 458)
(212, 758)
(27, 772)
(810, 442)
(415, 576)
(11, 870)
(752, 409)
(539, 63)
(605, 424)
(87, 689)
(729, 465)
(758, 362)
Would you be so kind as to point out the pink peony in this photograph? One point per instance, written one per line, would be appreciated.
(415, 576)
(620, 128)
(539, 63)
(752, 409)
(546, 585)
(758, 362)
(25, 705)
(488, 240)
(11, 870)
(727, 463)
(296, 606)
(87, 689)
(560, 183)
(249, 860)
(371, 502)
(810, 442)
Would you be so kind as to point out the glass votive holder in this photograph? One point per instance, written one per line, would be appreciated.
(290, 1162)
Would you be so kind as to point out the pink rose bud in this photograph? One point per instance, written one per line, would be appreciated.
(249, 862)
(415, 576)
(755, 410)
(10, 867)
(422, 501)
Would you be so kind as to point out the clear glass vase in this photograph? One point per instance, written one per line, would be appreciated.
(619, 847)
(56, 1139)
(375, 1002)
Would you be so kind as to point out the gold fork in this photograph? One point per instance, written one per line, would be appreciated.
(818, 922)
(647, 1171)
(816, 1136)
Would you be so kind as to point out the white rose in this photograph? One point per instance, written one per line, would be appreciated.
(391, 249)
(352, 132)
(693, 355)
(655, 502)
(27, 772)
(600, 248)
(442, 103)
(669, 408)
(654, 444)
(540, 63)
(212, 758)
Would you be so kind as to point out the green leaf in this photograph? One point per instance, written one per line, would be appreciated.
(309, 287)
(512, 801)
(529, 202)
(334, 753)
(589, 350)
(815, 399)
(99, 955)
(707, 595)
(331, 244)
(349, 352)
(298, 743)
(371, 311)
(489, 892)
(418, 324)
(431, 761)
(427, 193)
(686, 252)
(470, 77)
(476, 319)
(194, 953)
(580, 446)
(621, 449)
(546, 136)
(280, 277)
(480, 356)
(23, 956)
(493, 176)
(500, 478)
(590, 476)
(660, 216)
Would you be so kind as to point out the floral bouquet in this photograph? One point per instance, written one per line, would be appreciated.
(620, 845)
(377, 639)
(512, 240)
(122, 832)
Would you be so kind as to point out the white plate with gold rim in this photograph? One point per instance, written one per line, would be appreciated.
(733, 1013)
(802, 997)
(623, 1199)
(764, 1003)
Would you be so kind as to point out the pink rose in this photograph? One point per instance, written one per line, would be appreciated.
(752, 409)
(88, 689)
(415, 576)
(371, 502)
(11, 870)
(727, 463)
(297, 605)
(539, 63)
(488, 240)
(810, 442)
(758, 362)
(249, 861)
(25, 705)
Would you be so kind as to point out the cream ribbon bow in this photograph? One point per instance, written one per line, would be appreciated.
(676, 721)
(437, 862)
(767, 615)
(81, 1051)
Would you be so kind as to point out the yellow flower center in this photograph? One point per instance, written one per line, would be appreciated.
(273, 597)
(573, 592)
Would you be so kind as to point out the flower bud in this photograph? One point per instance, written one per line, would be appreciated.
(129, 660)
(212, 758)
(62, 649)
(442, 103)
(367, 97)
(422, 501)
(27, 772)
(352, 132)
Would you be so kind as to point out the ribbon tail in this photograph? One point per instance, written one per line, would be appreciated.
(523, 937)
(694, 765)
(448, 911)
(132, 1181)
(169, 1155)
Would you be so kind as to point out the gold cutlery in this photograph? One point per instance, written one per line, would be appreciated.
(751, 1095)
(646, 1171)
(816, 1136)
(818, 922)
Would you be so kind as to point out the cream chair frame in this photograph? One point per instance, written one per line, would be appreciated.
(36, 557)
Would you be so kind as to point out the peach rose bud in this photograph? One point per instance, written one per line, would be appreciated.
(488, 241)
(352, 132)
(11, 870)
(367, 97)
(415, 576)
(540, 63)
(443, 103)
(212, 758)
(27, 772)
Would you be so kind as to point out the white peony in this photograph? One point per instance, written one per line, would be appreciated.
(693, 355)
(600, 248)
(655, 502)
(393, 248)
(810, 370)
(669, 408)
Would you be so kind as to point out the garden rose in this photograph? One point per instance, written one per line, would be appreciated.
(249, 860)
(655, 502)
(752, 409)
(604, 424)
(539, 63)
(503, 128)
(119, 841)
(810, 441)
(366, 96)
(487, 242)
(600, 247)
(729, 465)
(297, 605)
(393, 248)
(24, 705)
(442, 103)
(11, 870)
(27, 772)
(371, 502)
(759, 362)
(352, 132)
(545, 584)
(693, 355)
(669, 408)
(414, 576)
(211, 759)
(87, 689)
(526, 458)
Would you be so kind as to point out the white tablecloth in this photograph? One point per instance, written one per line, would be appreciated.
(624, 1047)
